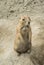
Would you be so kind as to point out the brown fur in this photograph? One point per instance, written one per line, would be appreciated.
(23, 36)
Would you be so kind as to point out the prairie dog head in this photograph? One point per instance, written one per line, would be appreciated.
(25, 23)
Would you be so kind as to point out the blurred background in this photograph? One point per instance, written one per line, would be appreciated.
(10, 12)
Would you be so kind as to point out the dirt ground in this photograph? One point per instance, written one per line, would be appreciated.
(10, 12)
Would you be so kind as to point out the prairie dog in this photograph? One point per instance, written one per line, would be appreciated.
(23, 36)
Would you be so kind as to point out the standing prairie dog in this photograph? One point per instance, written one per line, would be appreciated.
(23, 36)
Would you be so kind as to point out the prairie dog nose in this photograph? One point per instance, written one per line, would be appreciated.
(27, 26)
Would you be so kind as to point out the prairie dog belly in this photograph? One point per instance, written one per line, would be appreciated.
(21, 45)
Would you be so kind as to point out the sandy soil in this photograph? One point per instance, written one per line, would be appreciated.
(10, 12)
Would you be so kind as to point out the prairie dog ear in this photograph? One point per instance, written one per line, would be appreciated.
(19, 19)
(29, 19)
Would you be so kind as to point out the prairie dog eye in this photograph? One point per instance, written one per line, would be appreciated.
(23, 19)
(28, 22)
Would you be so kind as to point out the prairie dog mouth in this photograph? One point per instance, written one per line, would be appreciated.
(24, 28)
